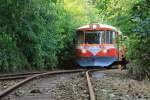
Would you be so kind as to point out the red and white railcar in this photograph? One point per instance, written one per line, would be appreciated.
(98, 45)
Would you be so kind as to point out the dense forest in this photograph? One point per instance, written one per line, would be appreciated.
(38, 34)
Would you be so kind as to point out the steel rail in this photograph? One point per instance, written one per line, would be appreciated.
(91, 91)
(19, 74)
(17, 85)
(15, 77)
(89, 83)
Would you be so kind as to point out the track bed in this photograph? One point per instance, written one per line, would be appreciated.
(115, 85)
(105, 84)
(55, 87)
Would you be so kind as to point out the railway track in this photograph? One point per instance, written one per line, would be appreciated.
(90, 87)
(28, 77)
(17, 76)
(10, 89)
(89, 82)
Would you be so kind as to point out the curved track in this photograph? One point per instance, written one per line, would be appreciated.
(89, 83)
(17, 76)
(39, 75)
(91, 90)
(8, 90)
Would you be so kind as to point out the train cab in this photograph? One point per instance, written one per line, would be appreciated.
(97, 45)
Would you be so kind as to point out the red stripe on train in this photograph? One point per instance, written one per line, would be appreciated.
(86, 53)
(110, 52)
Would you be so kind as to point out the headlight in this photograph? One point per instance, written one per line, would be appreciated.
(105, 50)
(83, 51)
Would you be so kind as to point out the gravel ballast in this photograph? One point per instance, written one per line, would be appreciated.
(55, 87)
(115, 85)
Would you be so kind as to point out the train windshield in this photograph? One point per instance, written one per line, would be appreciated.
(92, 38)
(96, 37)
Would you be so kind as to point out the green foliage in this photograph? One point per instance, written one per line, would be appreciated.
(10, 55)
(31, 27)
(133, 19)
(38, 34)
(116, 13)
(75, 14)
(35, 34)
(139, 51)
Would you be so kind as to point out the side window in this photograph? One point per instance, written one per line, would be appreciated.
(114, 37)
(103, 37)
(80, 37)
(109, 37)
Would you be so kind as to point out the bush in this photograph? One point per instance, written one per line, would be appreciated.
(36, 33)
(139, 51)
(11, 59)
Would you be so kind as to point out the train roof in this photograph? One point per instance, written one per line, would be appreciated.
(90, 27)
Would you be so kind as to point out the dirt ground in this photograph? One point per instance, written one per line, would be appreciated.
(4, 84)
(115, 85)
(109, 85)
(55, 87)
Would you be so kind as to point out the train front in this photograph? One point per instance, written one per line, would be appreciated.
(96, 45)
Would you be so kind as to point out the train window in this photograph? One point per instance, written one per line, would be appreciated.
(103, 40)
(102, 37)
(96, 37)
(92, 38)
(80, 37)
(106, 37)
(109, 37)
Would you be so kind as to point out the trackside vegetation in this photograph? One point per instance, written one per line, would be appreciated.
(133, 19)
(35, 34)
(39, 34)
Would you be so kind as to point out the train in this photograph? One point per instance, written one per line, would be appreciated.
(99, 45)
